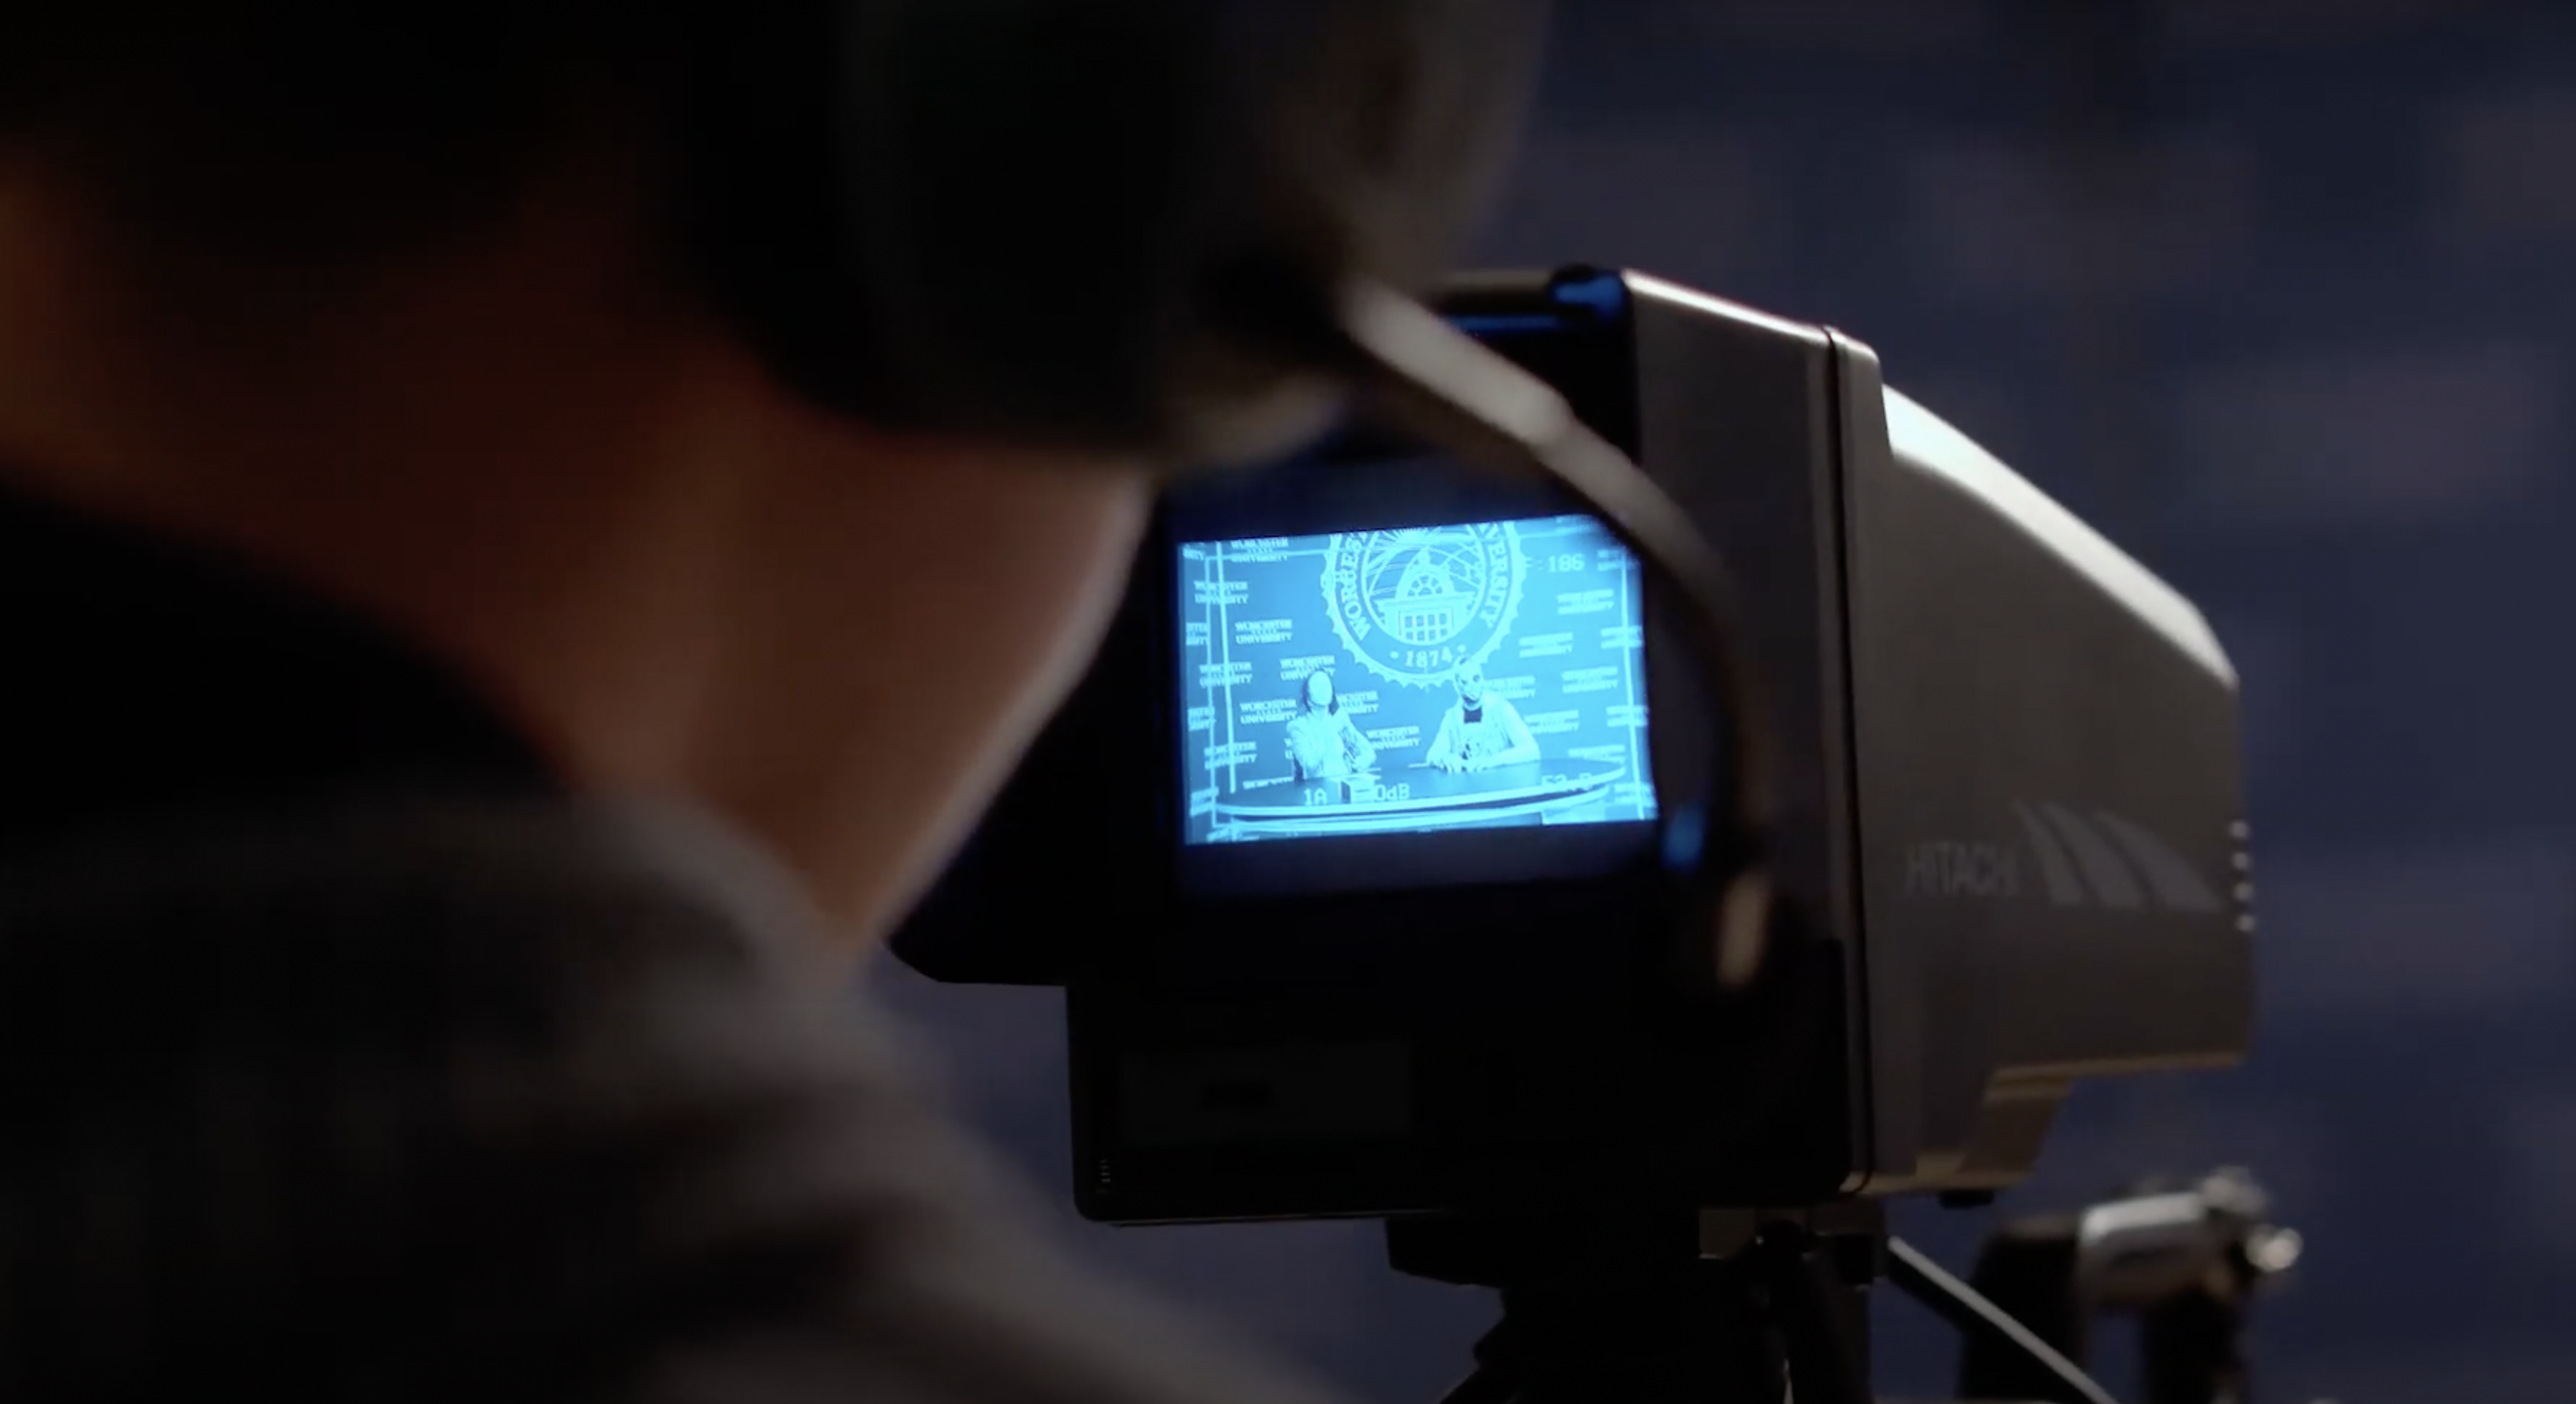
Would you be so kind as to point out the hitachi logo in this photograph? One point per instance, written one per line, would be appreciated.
(2081, 860)
(1962, 870)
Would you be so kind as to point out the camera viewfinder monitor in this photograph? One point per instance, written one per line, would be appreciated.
(1411, 702)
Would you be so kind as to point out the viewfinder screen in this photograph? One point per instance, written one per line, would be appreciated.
(1479, 676)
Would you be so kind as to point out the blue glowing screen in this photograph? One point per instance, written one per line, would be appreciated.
(1419, 680)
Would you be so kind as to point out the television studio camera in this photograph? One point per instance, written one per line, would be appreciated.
(1399, 853)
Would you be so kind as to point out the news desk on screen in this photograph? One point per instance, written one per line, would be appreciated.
(1419, 798)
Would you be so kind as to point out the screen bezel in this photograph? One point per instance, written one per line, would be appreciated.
(1344, 484)
(1025, 900)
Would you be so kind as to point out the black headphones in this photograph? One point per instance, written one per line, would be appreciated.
(1109, 223)
(1182, 229)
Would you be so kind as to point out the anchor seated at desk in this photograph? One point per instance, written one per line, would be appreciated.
(1324, 744)
(1481, 731)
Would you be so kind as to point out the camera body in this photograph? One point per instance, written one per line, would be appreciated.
(1324, 958)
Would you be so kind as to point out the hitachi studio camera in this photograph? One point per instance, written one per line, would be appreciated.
(1353, 853)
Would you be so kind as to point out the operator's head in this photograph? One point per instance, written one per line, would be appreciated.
(401, 319)
(1471, 684)
(1317, 694)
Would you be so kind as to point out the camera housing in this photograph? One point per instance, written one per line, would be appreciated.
(2008, 837)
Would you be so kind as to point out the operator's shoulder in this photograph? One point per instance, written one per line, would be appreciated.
(636, 1132)
(433, 857)
(438, 915)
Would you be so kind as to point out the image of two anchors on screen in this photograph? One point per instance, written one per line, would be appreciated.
(1480, 730)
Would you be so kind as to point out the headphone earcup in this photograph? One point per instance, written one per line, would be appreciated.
(1106, 223)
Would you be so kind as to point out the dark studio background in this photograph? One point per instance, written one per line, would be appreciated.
(2276, 293)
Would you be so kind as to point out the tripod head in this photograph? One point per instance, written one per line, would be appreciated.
(1729, 1307)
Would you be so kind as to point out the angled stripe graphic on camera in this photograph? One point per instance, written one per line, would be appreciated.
(2106, 860)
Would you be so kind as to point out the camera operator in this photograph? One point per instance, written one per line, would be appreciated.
(360, 440)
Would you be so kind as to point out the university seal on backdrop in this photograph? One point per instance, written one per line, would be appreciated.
(1413, 605)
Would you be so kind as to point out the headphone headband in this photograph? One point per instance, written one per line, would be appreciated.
(1111, 223)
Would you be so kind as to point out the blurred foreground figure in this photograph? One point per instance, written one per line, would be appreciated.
(467, 719)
